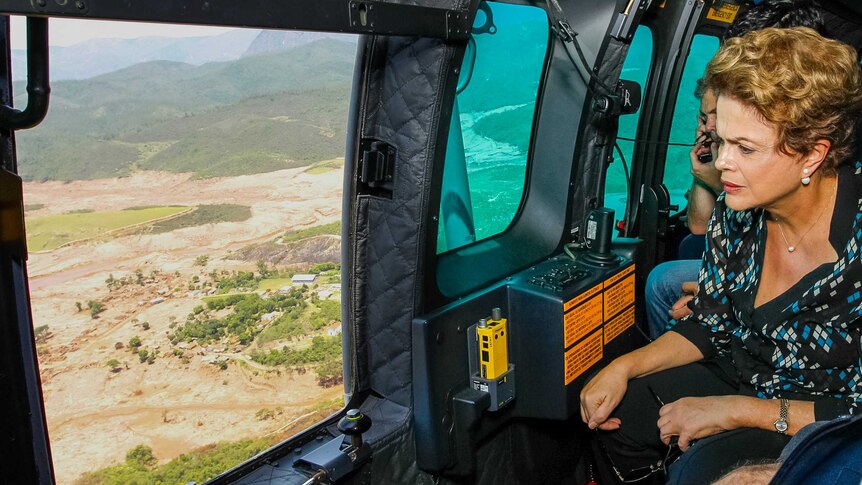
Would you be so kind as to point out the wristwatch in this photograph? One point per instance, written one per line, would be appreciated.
(781, 423)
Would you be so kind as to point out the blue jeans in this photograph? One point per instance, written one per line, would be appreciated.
(664, 288)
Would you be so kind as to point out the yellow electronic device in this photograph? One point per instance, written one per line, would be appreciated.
(493, 347)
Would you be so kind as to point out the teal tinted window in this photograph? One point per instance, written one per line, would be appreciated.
(677, 169)
(635, 68)
(492, 120)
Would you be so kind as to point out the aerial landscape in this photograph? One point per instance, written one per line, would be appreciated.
(187, 307)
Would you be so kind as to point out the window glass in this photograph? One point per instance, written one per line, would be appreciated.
(635, 68)
(183, 207)
(489, 139)
(677, 169)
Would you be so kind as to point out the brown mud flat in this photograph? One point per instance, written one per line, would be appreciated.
(95, 415)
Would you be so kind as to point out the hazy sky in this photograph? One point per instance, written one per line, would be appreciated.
(67, 31)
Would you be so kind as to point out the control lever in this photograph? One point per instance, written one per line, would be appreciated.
(600, 224)
(333, 461)
(354, 424)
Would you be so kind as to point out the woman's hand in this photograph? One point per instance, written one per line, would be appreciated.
(705, 172)
(601, 396)
(680, 308)
(692, 418)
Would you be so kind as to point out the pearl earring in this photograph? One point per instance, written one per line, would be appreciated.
(806, 180)
(805, 171)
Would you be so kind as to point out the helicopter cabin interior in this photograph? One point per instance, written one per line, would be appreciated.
(467, 334)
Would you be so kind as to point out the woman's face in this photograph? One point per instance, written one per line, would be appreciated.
(755, 173)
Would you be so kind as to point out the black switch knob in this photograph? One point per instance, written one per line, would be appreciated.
(354, 424)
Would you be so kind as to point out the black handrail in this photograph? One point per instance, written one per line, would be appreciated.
(38, 90)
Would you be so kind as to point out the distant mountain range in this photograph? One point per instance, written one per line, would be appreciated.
(284, 104)
(101, 56)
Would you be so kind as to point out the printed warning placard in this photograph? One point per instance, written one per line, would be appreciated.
(596, 290)
(582, 320)
(582, 356)
(619, 296)
(726, 14)
(622, 274)
(619, 324)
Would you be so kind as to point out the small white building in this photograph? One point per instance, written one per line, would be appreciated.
(303, 279)
(268, 317)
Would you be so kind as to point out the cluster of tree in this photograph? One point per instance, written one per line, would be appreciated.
(144, 355)
(96, 307)
(243, 323)
(324, 354)
(238, 280)
(136, 278)
(325, 268)
(249, 280)
(141, 466)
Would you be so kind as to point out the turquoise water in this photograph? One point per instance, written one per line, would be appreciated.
(497, 107)
(496, 113)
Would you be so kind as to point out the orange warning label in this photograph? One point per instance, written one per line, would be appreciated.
(619, 296)
(725, 14)
(582, 356)
(622, 274)
(582, 297)
(619, 324)
(582, 320)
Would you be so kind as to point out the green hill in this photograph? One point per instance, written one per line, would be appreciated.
(256, 114)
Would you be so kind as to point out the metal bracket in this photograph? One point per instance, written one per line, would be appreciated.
(627, 22)
(376, 167)
(376, 17)
(345, 16)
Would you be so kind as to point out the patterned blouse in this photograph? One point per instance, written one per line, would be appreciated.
(805, 343)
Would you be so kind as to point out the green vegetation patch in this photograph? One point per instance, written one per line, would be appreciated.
(325, 166)
(33, 207)
(243, 323)
(217, 119)
(331, 228)
(198, 466)
(321, 350)
(45, 233)
(225, 300)
(201, 215)
(301, 322)
(324, 354)
(273, 284)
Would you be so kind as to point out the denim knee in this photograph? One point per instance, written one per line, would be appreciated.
(664, 288)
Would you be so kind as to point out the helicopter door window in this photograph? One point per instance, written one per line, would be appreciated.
(183, 215)
(677, 170)
(636, 68)
(492, 121)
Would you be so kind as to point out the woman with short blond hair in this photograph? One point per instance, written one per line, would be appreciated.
(773, 342)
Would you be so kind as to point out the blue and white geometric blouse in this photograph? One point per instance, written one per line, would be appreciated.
(805, 343)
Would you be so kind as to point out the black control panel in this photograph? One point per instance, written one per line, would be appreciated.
(566, 317)
(559, 277)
